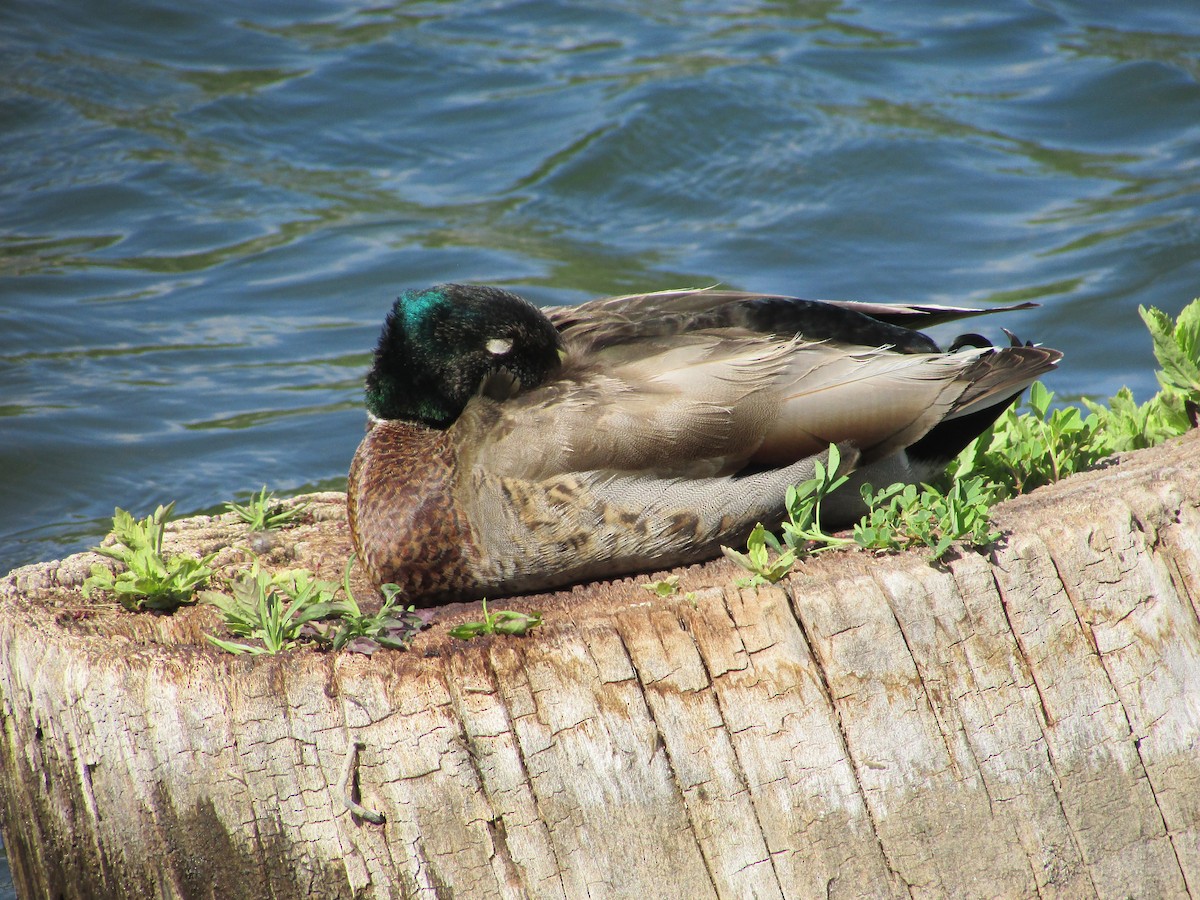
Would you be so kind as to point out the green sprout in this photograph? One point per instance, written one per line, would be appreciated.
(757, 558)
(503, 622)
(272, 609)
(264, 512)
(902, 516)
(803, 504)
(1025, 450)
(1124, 425)
(1177, 349)
(667, 587)
(1176, 407)
(150, 580)
(355, 631)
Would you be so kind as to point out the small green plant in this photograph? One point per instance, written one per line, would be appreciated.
(1123, 425)
(803, 529)
(1174, 409)
(1177, 349)
(667, 587)
(273, 609)
(899, 516)
(802, 532)
(355, 631)
(902, 516)
(150, 580)
(503, 622)
(1024, 451)
(264, 512)
(757, 558)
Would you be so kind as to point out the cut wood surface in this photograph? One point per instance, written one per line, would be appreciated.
(1019, 723)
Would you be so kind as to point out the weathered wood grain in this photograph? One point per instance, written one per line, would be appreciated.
(1023, 723)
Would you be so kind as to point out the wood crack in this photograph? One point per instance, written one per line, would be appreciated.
(740, 771)
(523, 769)
(1044, 722)
(660, 745)
(823, 680)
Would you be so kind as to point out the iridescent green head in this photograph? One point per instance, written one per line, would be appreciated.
(442, 346)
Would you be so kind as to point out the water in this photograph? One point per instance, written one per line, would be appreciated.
(206, 209)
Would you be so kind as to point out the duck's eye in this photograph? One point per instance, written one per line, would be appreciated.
(498, 346)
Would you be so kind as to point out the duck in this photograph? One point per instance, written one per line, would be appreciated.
(513, 449)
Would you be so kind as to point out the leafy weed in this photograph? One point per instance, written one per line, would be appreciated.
(667, 587)
(903, 515)
(504, 622)
(150, 580)
(272, 609)
(355, 631)
(757, 558)
(264, 512)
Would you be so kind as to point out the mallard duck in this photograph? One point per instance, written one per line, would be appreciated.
(512, 449)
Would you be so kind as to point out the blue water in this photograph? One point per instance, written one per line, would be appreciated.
(205, 209)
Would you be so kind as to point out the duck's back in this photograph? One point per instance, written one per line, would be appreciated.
(701, 383)
(615, 320)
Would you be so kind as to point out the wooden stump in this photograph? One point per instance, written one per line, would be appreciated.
(1023, 723)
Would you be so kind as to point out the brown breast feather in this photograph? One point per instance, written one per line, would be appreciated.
(404, 522)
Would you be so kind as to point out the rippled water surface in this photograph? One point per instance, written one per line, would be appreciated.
(206, 208)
